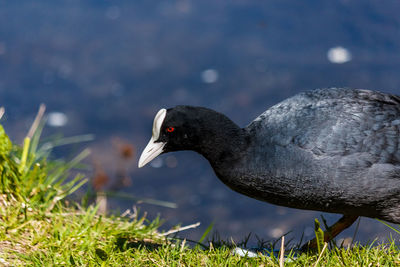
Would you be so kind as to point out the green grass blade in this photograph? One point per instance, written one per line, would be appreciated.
(24, 156)
(391, 227)
(206, 232)
(319, 235)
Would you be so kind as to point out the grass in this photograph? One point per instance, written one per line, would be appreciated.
(39, 226)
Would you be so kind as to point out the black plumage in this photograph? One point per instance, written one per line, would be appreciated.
(333, 150)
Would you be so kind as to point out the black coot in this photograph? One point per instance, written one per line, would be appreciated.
(333, 150)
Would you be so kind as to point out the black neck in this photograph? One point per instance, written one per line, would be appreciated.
(224, 143)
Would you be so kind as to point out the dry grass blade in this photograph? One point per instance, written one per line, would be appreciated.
(37, 120)
(320, 255)
(183, 245)
(180, 229)
(101, 201)
(2, 111)
(282, 252)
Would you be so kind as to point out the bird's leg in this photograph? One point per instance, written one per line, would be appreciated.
(332, 231)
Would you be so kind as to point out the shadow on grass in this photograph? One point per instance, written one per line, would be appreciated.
(124, 243)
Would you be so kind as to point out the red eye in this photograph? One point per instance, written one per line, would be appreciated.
(170, 129)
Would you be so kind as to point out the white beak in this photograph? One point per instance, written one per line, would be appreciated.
(151, 151)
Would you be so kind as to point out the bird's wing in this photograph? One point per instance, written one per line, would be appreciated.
(336, 122)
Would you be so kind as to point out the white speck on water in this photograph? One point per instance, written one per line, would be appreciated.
(113, 12)
(276, 232)
(157, 163)
(209, 76)
(338, 55)
(57, 119)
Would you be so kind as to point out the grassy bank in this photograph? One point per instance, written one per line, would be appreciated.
(40, 227)
(79, 237)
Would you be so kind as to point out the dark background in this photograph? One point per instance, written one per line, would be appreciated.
(109, 66)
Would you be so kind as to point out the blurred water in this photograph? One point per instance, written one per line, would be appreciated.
(108, 66)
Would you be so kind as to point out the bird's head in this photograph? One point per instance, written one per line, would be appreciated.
(174, 129)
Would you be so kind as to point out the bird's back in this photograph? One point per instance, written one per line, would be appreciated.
(329, 149)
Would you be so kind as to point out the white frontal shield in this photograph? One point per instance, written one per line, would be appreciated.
(153, 148)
